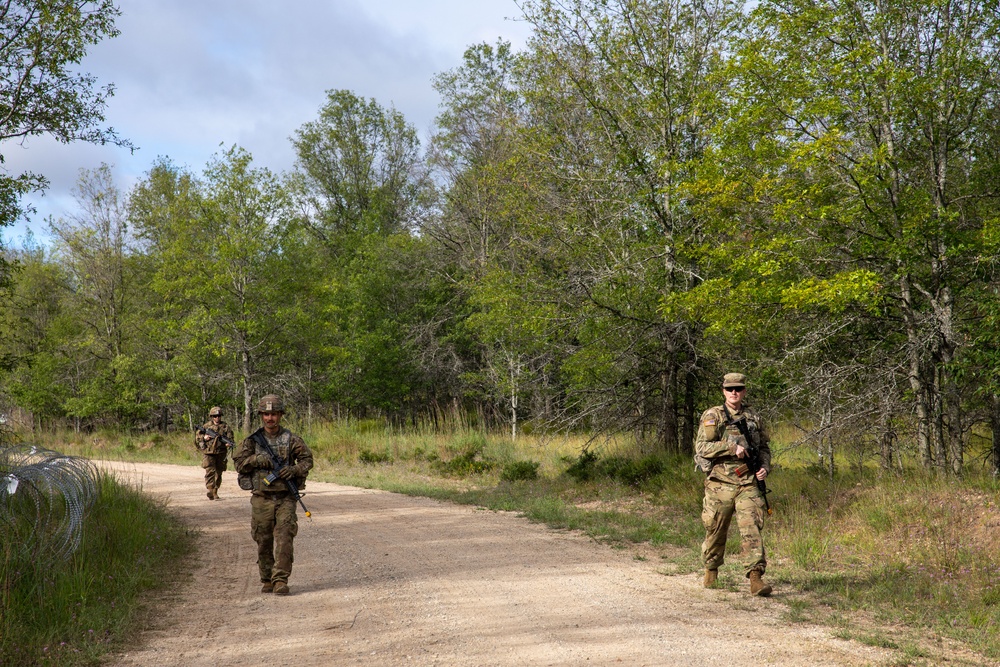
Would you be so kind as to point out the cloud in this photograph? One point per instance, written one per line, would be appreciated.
(194, 75)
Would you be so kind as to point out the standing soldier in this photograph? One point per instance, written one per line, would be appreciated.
(273, 522)
(213, 450)
(722, 453)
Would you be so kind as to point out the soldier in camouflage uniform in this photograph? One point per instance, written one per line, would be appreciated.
(273, 521)
(214, 451)
(730, 488)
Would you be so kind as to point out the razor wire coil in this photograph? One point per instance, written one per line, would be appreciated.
(44, 498)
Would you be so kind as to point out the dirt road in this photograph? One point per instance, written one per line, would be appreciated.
(386, 579)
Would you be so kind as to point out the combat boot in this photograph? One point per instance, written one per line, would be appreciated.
(266, 587)
(710, 577)
(211, 495)
(280, 588)
(757, 585)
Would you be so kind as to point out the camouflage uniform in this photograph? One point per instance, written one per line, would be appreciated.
(273, 522)
(730, 488)
(214, 453)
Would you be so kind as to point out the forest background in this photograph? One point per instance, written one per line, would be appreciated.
(646, 196)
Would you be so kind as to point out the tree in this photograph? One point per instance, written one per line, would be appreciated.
(357, 170)
(236, 278)
(866, 138)
(97, 250)
(41, 43)
(621, 97)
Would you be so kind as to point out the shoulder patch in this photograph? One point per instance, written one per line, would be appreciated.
(709, 421)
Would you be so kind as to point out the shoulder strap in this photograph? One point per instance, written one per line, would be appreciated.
(729, 417)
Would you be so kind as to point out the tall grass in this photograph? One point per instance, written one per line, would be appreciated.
(77, 611)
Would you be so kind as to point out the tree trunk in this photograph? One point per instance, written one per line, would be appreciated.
(914, 375)
(995, 427)
(247, 390)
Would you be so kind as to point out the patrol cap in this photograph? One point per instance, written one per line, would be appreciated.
(271, 403)
(215, 411)
(734, 380)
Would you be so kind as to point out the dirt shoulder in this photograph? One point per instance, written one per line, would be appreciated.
(387, 579)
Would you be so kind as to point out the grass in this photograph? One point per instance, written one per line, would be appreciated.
(79, 610)
(915, 554)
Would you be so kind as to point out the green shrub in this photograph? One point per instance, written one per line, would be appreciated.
(633, 472)
(469, 462)
(370, 457)
(584, 468)
(520, 471)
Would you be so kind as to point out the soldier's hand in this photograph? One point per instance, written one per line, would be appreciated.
(206, 437)
(741, 452)
(286, 473)
(263, 461)
(761, 474)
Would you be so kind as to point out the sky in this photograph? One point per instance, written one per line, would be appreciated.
(193, 77)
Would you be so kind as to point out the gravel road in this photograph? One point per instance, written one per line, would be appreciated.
(388, 579)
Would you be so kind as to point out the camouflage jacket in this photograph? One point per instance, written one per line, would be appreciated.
(715, 446)
(291, 449)
(214, 445)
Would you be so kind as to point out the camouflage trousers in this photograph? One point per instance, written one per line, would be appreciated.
(214, 465)
(721, 502)
(274, 525)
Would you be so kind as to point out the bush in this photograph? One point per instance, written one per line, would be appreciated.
(370, 457)
(584, 468)
(469, 462)
(633, 472)
(520, 471)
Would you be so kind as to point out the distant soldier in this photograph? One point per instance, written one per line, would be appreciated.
(722, 453)
(214, 450)
(273, 522)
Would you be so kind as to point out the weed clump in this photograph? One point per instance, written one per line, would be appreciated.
(471, 461)
(370, 457)
(631, 472)
(520, 471)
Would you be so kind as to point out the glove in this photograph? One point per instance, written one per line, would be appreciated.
(287, 472)
(263, 461)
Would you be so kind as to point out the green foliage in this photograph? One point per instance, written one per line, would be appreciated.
(45, 91)
(589, 466)
(470, 459)
(520, 471)
(371, 457)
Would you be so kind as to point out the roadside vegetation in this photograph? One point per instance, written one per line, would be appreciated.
(913, 555)
(74, 611)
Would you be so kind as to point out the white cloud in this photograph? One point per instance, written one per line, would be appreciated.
(191, 75)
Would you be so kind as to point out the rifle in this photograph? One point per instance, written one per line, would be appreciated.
(215, 434)
(753, 455)
(278, 465)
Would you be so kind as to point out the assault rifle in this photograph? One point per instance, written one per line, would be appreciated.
(215, 434)
(753, 455)
(278, 466)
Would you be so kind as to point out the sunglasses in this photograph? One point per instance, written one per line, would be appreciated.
(733, 389)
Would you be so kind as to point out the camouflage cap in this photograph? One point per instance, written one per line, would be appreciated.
(215, 411)
(271, 403)
(734, 380)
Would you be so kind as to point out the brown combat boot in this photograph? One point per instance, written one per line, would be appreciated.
(266, 587)
(211, 495)
(280, 588)
(757, 585)
(710, 577)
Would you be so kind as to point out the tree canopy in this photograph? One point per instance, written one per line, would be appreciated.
(646, 196)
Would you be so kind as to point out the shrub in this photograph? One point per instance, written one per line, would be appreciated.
(469, 462)
(520, 471)
(370, 457)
